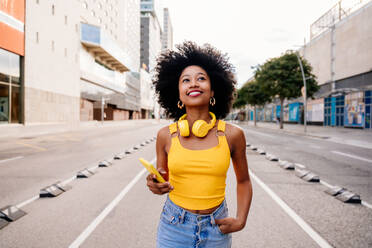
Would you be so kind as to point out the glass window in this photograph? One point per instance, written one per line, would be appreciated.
(4, 103)
(16, 104)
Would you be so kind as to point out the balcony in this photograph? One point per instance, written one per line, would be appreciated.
(96, 41)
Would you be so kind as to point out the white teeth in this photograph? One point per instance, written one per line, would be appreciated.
(194, 93)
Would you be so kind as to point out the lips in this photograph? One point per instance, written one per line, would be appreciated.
(194, 93)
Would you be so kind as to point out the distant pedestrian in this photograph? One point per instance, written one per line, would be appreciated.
(195, 86)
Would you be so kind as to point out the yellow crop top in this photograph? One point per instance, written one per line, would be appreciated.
(198, 176)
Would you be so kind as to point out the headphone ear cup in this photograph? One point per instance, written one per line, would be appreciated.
(183, 126)
(200, 128)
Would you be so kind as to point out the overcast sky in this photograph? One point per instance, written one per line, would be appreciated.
(249, 31)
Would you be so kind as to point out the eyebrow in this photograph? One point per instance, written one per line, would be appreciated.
(199, 73)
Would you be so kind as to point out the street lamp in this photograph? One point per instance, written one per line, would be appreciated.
(304, 93)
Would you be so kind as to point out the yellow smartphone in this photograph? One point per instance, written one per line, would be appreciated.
(152, 170)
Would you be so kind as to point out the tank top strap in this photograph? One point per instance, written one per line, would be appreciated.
(173, 128)
(221, 126)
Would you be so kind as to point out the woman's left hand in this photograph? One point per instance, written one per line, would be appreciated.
(229, 225)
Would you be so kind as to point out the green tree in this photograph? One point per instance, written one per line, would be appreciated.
(253, 94)
(281, 78)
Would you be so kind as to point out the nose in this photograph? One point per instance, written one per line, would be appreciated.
(194, 83)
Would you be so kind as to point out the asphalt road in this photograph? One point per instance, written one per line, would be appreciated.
(113, 208)
(342, 164)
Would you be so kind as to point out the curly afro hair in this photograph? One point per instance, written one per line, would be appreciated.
(170, 65)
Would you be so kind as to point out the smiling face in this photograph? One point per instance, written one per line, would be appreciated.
(194, 86)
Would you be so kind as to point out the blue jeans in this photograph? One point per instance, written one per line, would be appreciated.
(179, 228)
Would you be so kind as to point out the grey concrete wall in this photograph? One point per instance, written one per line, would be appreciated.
(352, 47)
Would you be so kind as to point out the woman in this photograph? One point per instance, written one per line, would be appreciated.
(195, 85)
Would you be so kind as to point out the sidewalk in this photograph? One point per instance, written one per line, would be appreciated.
(352, 136)
(30, 130)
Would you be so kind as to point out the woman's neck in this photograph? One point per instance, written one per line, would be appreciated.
(194, 114)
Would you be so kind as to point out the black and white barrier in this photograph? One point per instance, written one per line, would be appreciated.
(54, 190)
(85, 173)
(344, 195)
(307, 175)
(119, 156)
(261, 152)
(11, 213)
(271, 157)
(286, 165)
(104, 163)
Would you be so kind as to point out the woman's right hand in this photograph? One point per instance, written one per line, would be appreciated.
(156, 187)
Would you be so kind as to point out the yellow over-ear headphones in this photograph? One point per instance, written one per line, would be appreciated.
(200, 128)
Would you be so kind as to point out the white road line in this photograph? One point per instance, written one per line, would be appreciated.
(311, 232)
(300, 166)
(353, 156)
(10, 159)
(366, 204)
(92, 226)
(326, 184)
(27, 201)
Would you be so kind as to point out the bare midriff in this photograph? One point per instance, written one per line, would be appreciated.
(204, 211)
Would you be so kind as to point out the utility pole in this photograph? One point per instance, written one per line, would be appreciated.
(332, 65)
(304, 92)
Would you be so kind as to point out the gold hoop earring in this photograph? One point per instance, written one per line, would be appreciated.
(212, 101)
(179, 105)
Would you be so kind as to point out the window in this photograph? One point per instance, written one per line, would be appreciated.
(65, 20)
(93, 13)
(85, 5)
(53, 45)
(53, 9)
(37, 37)
(65, 52)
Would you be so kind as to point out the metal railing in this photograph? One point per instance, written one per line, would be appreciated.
(339, 11)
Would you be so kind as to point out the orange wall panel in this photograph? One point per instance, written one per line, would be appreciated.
(12, 39)
(15, 8)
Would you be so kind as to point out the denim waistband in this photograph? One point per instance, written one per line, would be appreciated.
(192, 217)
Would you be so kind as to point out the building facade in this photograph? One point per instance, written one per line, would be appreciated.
(151, 46)
(109, 60)
(167, 35)
(151, 33)
(12, 51)
(51, 79)
(340, 52)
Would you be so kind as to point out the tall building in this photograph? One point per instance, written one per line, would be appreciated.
(151, 45)
(167, 35)
(51, 79)
(69, 60)
(150, 34)
(12, 50)
(109, 64)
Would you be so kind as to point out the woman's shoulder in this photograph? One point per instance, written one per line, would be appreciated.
(164, 133)
(233, 132)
